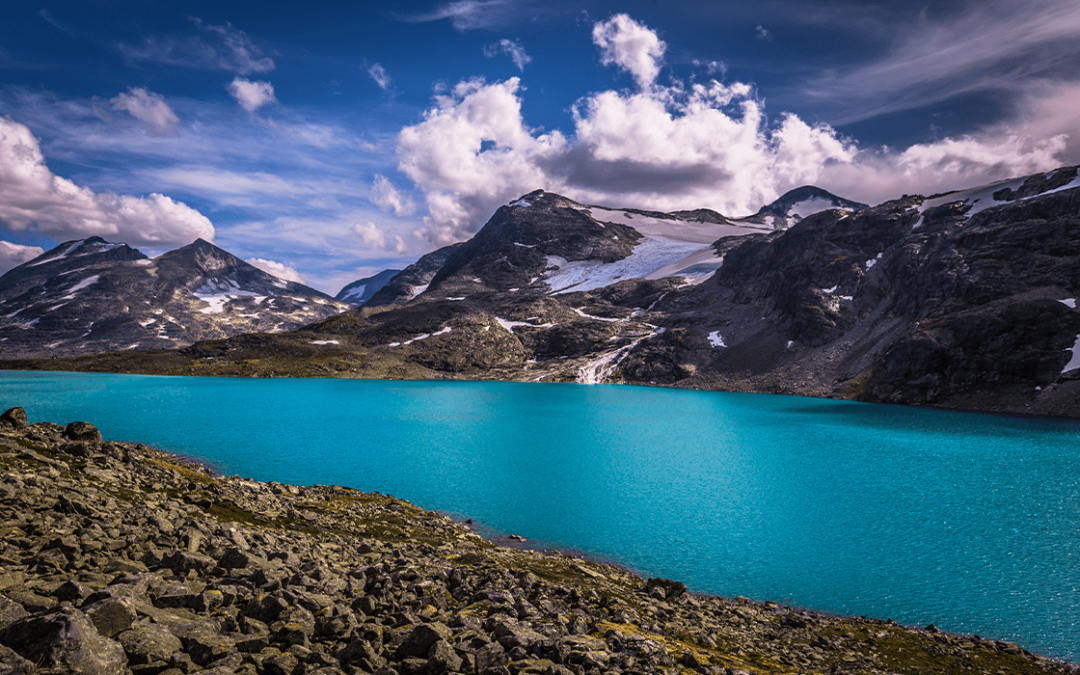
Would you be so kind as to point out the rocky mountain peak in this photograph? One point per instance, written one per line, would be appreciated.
(802, 202)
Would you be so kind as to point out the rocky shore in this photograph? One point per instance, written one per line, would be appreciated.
(117, 558)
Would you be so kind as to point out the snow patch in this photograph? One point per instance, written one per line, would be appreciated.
(417, 290)
(323, 342)
(525, 245)
(596, 318)
(145, 262)
(600, 368)
(510, 325)
(716, 340)
(88, 281)
(1071, 302)
(789, 343)
(521, 202)
(830, 291)
(873, 261)
(1074, 362)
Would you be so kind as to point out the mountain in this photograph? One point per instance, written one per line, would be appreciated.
(361, 290)
(962, 300)
(797, 204)
(90, 296)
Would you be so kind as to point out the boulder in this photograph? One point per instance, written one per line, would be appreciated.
(82, 431)
(14, 418)
(65, 641)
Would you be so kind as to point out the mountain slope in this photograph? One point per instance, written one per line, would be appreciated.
(91, 296)
(963, 300)
(361, 290)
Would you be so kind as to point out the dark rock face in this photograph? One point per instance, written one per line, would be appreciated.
(413, 280)
(361, 290)
(182, 571)
(91, 296)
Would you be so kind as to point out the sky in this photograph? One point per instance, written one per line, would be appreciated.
(327, 141)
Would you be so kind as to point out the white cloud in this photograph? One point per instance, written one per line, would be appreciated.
(630, 46)
(472, 150)
(514, 50)
(13, 255)
(154, 114)
(690, 146)
(379, 74)
(373, 235)
(763, 33)
(279, 270)
(226, 48)
(251, 95)
(388, 198)
(33, 198)
(991, 45)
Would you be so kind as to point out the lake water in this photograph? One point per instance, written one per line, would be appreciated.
(967, 521)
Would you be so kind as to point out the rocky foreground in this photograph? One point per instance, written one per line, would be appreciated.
(116, 558)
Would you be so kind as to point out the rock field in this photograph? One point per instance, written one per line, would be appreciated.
(117, 558)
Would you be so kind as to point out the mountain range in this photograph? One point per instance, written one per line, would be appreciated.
(90, 296)
(965, 300)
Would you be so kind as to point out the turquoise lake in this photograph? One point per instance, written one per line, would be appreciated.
(967, 521)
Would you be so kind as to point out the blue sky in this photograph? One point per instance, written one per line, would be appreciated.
(328, 141)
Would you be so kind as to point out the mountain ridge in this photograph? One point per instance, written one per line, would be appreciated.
(962, 300)
(90, 295)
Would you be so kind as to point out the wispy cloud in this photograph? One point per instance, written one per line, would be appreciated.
(513, 49)
(472, 14)
(763, 33)
(213, 48)
(992, 45)
(381, 77)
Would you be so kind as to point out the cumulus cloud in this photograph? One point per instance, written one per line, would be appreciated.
(251, 95)
(381, 77)
(375, 236)
(153, 113)
(512, 49)
(13, 255)
(631, 46)
(763, 33)
(279, 270)
(217, 47)
(689, 146)
(33, 198)
(388, 198)
(470, 151)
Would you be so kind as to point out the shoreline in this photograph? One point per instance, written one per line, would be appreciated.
(1007, 414)
(244, 577)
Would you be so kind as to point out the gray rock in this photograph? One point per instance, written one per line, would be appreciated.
(82, 431)
(67, 641)
(10, 611)
(13, 664)
(111, 616)
(421, 638)
(14, 418)
(149, 643)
